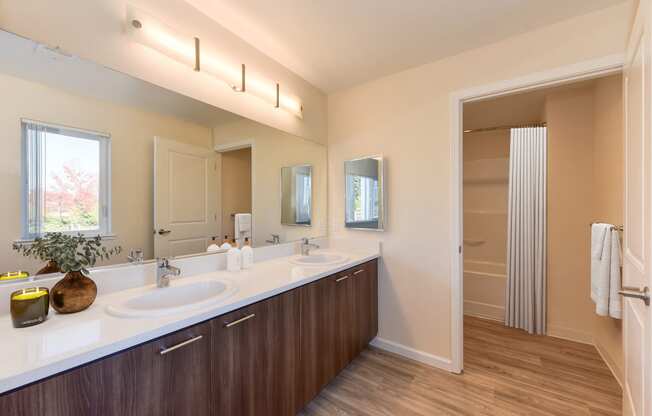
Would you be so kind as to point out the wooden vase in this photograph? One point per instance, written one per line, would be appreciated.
(51, 267)
(74, 293)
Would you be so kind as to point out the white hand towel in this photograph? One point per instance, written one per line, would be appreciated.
(615, 306)
(242, 227)
(600, 267)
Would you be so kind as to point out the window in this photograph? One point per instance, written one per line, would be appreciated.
(362, 199)
(66, 180)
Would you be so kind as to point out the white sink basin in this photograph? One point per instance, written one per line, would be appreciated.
(319, 259)
(155, 302)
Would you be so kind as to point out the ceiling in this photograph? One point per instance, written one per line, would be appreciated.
(335, 44)
(24, 58)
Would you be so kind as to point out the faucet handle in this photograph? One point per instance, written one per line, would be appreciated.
(162, 262)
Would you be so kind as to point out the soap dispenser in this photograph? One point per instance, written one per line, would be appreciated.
(233, 259)
(247, 255)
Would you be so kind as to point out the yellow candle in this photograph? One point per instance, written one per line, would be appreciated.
(14, 275)
(30, 295)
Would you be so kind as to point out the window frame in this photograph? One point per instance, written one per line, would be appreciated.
(31, 171)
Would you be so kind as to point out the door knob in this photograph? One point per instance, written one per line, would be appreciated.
(163, 232)
(638, 293)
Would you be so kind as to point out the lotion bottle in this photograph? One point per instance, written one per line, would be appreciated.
(233, 259)
(247, 255)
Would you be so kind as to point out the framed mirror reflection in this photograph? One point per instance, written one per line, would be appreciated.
(296, 195)
(365, 193)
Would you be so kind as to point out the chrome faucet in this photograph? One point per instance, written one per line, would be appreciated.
(276, 239)
(164, 271)
(306, 246)
(136, 256)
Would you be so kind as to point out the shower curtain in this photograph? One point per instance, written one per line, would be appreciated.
(526, 231)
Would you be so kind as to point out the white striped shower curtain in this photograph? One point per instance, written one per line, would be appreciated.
(525, 302)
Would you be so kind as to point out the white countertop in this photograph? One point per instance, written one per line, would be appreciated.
(67, 341)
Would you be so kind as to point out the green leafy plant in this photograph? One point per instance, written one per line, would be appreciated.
(72, 253)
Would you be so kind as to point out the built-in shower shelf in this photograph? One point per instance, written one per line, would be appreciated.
(484, 212)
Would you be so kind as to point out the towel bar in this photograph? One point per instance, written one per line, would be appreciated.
(617, 227)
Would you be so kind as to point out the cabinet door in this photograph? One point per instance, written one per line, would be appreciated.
(366, 304)
(319, 321)
(346, 321)
(255, 356)
(180, 373)
(138, 381)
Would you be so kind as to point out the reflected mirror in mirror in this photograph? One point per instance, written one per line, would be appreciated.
(364, 199)
(296, 195)
(92, 150)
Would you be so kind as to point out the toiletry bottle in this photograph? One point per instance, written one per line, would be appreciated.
(214, 246)
(233, 259)
(225, 244)
(247, 255)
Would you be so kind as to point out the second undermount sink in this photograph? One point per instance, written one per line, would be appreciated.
(319, 259)
(156, 302)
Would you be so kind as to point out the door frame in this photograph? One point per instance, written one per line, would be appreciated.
(585, 70)
(238, 145)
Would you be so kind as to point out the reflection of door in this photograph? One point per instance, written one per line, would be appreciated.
(185, 198)
(637, 264)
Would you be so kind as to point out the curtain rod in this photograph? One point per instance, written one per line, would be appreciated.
(515, 126)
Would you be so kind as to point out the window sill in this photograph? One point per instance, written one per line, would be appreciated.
(107, 237)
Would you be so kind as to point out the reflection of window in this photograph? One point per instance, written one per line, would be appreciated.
(66, 180)
(303, 192)
(362, 198)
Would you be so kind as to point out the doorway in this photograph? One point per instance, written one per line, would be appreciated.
(236, 191)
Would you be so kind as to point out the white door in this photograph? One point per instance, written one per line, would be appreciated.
(637, 247)
(185, 198)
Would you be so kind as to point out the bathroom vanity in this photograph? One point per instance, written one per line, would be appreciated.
(270, 357)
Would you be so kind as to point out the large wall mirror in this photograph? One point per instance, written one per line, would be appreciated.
(91, 150)
(365, 195)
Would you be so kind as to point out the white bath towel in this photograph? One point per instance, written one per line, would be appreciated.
(615, 302)
(605, 270)
(600, 267)
(242, 226)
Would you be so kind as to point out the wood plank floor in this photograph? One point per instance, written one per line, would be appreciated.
(506, 372)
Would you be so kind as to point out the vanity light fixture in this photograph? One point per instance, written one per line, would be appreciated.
(185, 49)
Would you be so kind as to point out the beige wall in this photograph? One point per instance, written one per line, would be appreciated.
(569, 113)
(236, 188)
(132, 137)
(94, 30)
(272, 150)
(608, 162)
(406, 117)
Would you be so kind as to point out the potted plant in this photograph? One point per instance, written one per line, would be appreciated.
(42, 250)
(73, 255)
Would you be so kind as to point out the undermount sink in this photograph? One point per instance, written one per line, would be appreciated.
(319, 259)
(181, 297)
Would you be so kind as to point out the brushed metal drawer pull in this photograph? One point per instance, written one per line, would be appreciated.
(342, 278)
(358, 271)
(238, 321)
(181, 344)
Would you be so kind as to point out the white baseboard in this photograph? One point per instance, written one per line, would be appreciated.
(411, 353)
(484, 310)
(570, 334)
(610, 363)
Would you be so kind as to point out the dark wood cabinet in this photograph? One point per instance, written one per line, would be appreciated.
(138, 381)
(269, 358)
(255, 358)
(335, 327)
